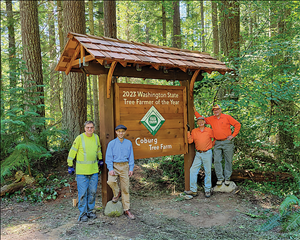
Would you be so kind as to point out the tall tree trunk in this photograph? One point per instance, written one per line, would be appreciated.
(286, 107)
(60, 25)
(176, 25)
(230, 20)
(214, 17)
(101, 19)
(12, 61)
(164, 23)
(74, 84)
(60, 75)
(32, 52)
(230, 32)
(110, 23)
(53, 88)
(202, 27)
(94, 78)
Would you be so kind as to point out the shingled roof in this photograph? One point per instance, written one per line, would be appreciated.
(83, 48)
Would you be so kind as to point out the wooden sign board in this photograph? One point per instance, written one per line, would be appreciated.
(155, 117)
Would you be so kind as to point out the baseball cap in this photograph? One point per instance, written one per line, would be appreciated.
(200, 118)
(216, 106)
(121, 127)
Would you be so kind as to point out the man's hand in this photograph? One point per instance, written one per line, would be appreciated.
(130, 173)
(112, 173)
(230, 137)
(71, 170)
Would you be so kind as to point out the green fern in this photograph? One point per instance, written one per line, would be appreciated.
(272, 222)
(288, 218)
(287, 203)
(14, 162)
(20, 157)
(292, 222)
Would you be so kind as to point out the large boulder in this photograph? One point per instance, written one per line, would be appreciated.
(224, 188)
(113, 209)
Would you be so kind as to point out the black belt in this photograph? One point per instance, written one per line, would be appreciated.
(221, 139)
(199, 151)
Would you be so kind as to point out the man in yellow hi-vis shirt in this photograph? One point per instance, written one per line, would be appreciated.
(87, 150)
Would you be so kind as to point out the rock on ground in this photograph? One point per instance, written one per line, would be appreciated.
(224, 188)
(113, 209)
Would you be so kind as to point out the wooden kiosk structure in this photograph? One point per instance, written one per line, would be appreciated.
(156, 116)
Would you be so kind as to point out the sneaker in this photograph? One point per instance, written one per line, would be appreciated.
(185, 196)
(227, 182)
(219, 182)
(91, 215)
(207, 194)
(84, 218)
(194, 194)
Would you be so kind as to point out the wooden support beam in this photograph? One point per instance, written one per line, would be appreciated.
(194, 77)
(87, 59)
(147, 72)
(106, 118)
(101, 61)
(124, 64)
(109, 78)
(82, 53)
(69, 66)
(189, 157)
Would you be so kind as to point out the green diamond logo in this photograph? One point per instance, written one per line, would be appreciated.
(153, 120)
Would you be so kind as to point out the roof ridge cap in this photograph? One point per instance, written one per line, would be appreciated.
(110, 39)
(93, 36)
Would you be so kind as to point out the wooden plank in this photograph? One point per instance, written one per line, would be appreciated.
(189, 156)
(170, 136)
(106, 116)
(69, 66)
(109, 78)
(87, 59)
(147, 72)
(195, 75)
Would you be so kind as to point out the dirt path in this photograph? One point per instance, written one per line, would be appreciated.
(222, 216)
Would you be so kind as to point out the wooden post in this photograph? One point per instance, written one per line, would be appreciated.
(107, 133)
(189, 157)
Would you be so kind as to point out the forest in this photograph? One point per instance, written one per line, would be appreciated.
(259, 40)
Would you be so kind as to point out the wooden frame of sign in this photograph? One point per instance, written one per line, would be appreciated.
(155, 117)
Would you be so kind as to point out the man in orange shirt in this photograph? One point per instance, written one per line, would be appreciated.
(220, 124)
(203, 138)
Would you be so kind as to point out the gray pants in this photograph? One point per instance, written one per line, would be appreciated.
(223, 147)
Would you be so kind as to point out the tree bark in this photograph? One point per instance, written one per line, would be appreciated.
(94, 77)
(53, 86)
(32, 52)
(214, 17)
(230, 28)
(12, 62)
(229, 35)
(101, 24)
(164, 23)
(110, 23)
(74, 84)
(176, 25)
(202, 27)
(286, 107)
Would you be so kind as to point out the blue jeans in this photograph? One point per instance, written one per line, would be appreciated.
(205, 159)
(87, 188)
